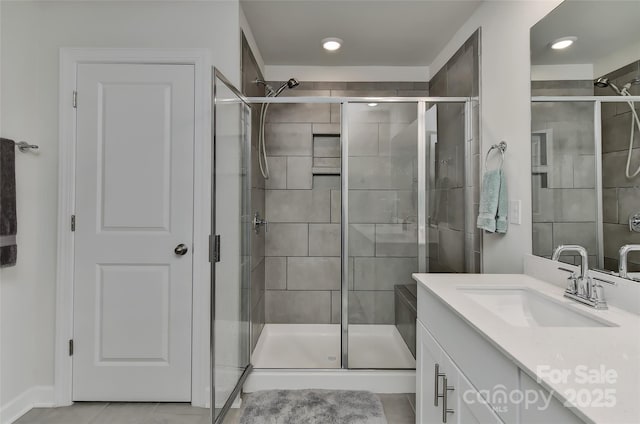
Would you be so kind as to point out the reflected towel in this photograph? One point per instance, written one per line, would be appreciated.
(492, 215)
(8, 219)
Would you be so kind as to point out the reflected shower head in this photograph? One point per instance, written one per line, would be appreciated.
(292, 83)
(604, 82)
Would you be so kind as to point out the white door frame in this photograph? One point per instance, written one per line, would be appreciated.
(70, 58)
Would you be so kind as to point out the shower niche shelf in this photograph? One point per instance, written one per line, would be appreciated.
(326, 154)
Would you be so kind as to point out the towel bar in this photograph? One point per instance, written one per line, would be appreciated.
(24, 147)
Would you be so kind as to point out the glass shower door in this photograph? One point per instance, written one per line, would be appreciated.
(383, 216)
(230, 246)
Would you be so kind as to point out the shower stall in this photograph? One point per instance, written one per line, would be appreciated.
(316, 290)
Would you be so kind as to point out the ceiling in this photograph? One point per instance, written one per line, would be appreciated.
(602, 28)
(375, 32)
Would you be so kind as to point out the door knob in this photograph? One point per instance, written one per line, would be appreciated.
(181, 249)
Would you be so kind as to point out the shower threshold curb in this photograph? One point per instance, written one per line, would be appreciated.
(377, 381)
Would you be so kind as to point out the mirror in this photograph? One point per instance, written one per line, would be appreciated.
(583, 190)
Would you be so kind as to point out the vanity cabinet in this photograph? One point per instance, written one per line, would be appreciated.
(480, 376)
(544, 412)
(446, 396)
(428, 363)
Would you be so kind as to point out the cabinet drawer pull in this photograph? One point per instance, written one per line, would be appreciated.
(445, 396)
(436, 381)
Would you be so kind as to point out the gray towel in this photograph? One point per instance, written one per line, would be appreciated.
(492, 215)
(312, 406)
(8, 219)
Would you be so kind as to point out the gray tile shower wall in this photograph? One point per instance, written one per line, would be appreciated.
(450, 222)
(302, 204)
(563, 166)
(621, 196)
(249, 74)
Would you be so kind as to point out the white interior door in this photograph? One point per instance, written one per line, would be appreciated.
(134, 207)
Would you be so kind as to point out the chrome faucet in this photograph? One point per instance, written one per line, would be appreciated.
(582, 288)
(624, 251)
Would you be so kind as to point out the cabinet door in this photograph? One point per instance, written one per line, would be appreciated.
(547, 410)
(471, 407)
(464, 403)
(428, 357)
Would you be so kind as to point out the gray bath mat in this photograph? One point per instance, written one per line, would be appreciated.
(311, 407)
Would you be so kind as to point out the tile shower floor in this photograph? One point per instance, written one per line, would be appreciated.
(318, 346)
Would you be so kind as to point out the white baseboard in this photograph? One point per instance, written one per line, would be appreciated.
(35, 397)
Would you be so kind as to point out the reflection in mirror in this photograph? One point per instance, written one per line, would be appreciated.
(563, 178)
(583, 184)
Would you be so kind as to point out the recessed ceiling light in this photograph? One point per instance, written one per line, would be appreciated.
(563, 43)
(332, 43)
(372, 104)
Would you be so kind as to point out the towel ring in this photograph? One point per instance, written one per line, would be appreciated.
(502, 147)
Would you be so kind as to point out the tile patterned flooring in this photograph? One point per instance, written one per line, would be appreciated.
(397, 408)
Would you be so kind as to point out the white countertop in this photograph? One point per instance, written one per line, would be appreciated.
(560, 348)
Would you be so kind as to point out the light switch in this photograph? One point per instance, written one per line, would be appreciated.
(515, 213)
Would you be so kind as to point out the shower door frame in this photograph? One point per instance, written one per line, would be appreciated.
(421, 105)
(215, 253)
(597, 139)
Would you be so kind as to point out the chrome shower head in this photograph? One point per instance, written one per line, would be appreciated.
(604, 82)
(291, 83)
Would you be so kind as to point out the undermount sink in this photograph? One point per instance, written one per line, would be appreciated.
(524, 307)
(634, 276)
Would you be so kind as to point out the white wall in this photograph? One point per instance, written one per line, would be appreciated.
(622, 56)
(505, 110)
(251, 40)
(562, 72)
(31, 35)
(347, 73)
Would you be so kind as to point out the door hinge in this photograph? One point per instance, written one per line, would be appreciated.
(71, 347)
(73, 222)
(214, 248)
(75, 99)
